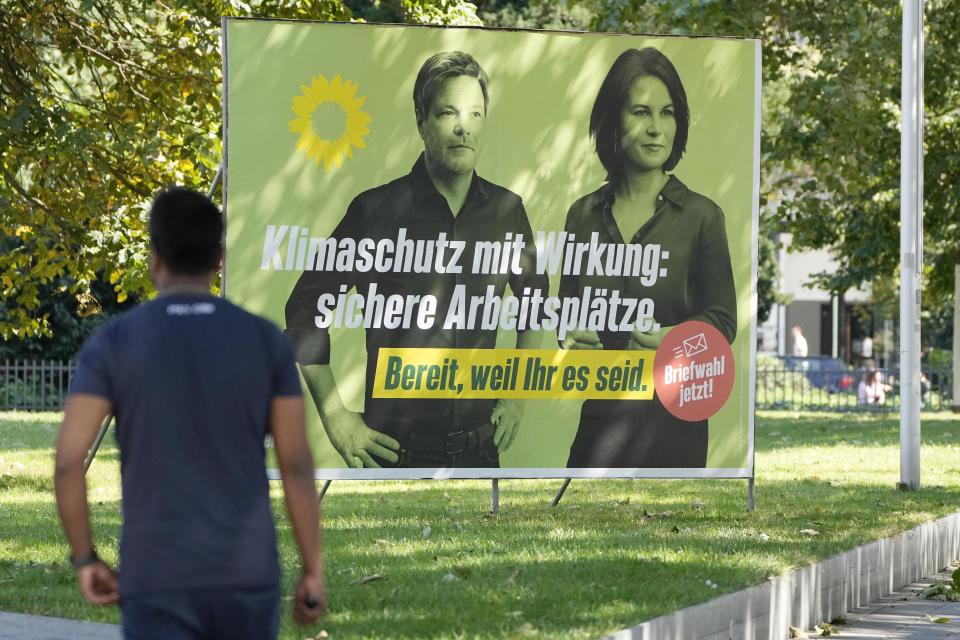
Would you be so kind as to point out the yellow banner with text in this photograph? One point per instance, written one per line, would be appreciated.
(514, 373)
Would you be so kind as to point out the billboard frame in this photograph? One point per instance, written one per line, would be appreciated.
(567, 474)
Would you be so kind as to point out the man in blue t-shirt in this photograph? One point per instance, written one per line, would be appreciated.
(196, 384)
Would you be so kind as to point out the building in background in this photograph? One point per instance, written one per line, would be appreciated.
(832, 325)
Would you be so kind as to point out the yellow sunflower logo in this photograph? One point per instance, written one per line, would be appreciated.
(329, 120)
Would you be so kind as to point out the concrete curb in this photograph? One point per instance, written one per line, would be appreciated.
(818, 593)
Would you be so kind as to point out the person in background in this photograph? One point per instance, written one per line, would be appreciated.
(195, 384)
(799, 342)
(872, 388)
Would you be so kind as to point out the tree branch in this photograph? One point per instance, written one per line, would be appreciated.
(12, 181)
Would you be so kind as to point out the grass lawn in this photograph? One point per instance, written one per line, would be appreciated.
(614, 553)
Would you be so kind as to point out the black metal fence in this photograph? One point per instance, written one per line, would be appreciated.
(34, 385)
(783, 387)
(41, 385)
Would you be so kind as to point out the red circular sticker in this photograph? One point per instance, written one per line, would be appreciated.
(693, 371)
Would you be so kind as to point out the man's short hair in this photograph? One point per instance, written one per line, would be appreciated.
(186, 231)
(605, 117)
(438, 69)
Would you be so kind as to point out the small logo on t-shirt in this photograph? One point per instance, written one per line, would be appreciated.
(194, 309)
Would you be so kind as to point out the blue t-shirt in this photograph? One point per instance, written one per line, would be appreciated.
(191, 379)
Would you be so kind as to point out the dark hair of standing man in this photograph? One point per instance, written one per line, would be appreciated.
(439, 68)
(186, 231)
(605, 121)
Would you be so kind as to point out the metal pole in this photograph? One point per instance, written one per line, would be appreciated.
(911, 237)
(96, 443)
(495, 497)
(563, 487)
(216, 180)
(782, 286)
(751, 500)
(835, 325)
(955, 403)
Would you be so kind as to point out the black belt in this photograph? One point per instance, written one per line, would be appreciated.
(461, 441)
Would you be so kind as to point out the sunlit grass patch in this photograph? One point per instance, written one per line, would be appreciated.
(425, 559)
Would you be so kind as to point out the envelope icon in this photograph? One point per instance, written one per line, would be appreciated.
(694, 345)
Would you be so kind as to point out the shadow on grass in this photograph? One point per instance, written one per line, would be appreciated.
(620, 562)
(613, 554)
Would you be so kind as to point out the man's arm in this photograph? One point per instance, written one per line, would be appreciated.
(83, 415)
(348, 433)
(288, 427)
(508, 413)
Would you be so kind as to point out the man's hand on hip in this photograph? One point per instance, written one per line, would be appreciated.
(357, 443)
(507, 415)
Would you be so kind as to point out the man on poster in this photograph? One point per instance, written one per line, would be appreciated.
(441, 198)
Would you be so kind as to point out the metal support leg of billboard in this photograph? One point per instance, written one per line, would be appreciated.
(563, 487)
(109, 419)
(323, 489)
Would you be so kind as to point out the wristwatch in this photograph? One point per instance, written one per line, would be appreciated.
(84, 560)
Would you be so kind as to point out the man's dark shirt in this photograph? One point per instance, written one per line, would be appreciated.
(413, 202)
(191, 379)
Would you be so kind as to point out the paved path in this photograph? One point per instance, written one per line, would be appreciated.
(16, 626)
(903, 616)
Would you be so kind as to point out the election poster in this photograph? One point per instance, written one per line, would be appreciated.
(501, 253)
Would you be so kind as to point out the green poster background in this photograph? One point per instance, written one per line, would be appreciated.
(542, 87)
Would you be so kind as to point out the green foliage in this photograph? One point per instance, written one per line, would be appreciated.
(452, 12)
(70, 318)
(941, 591)
(768, 276)
(103, 103)
(565, 16)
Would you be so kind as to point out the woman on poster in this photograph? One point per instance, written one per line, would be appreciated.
(640, 121)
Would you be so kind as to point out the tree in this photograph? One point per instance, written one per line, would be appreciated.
(70, 318)
(103, 103)
(831, 138)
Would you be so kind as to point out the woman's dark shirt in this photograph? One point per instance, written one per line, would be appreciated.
(698, 285)
(690, 230)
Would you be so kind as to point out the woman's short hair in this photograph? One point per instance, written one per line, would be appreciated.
(605, 119)
(439, 68)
